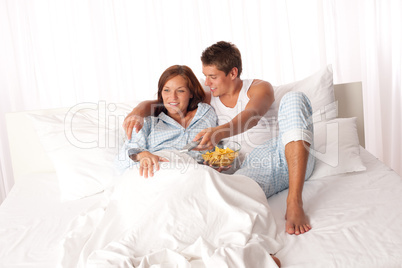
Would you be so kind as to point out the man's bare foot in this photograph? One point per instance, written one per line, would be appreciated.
(296, 221)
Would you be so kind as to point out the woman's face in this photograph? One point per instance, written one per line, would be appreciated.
(176, 96)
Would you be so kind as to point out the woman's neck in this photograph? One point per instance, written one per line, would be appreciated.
(184, 119)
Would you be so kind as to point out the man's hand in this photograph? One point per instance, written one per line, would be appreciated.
(149, 162)
(222, 168)
(135, 119)
(132, 121)
(210, 137)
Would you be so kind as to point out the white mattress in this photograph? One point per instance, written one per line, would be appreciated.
(356, 220)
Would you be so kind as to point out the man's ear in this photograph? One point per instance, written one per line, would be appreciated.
(233, 73)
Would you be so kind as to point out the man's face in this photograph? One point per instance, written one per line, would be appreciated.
(216, 80)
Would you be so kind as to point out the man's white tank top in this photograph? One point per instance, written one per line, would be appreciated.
(263, 131)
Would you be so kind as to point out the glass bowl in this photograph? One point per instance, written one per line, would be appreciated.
(223, 155)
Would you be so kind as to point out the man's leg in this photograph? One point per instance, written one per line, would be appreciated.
(284, 162)
(296, 157)
(296, 133)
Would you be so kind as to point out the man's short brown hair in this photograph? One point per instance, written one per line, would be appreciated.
(224, 55)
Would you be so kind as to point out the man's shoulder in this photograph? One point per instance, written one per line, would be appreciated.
(259, 86)
(260, 83)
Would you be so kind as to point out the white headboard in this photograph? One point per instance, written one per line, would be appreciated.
(29, 157)
(27, 153)
(350, 104)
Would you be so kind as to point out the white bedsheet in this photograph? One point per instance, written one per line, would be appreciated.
(356, 220)
(33, 222)
(187, 215)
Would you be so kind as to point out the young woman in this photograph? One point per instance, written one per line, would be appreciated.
(180, 115)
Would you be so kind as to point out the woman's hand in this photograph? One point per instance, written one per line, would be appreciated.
(149, 162)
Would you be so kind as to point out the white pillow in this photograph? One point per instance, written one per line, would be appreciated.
(318, 87)
(336, 148)
(82, 145)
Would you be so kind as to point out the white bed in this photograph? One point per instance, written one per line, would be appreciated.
(354, 203)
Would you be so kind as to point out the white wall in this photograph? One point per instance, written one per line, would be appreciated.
(59, 53)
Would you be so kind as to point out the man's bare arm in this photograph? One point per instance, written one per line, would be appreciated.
(135, 119)
(261, 96)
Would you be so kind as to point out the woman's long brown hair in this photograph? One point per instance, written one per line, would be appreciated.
(192, 83)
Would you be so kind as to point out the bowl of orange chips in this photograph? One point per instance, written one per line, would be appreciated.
(223, 155)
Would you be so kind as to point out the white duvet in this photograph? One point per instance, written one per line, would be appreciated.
(187, 215)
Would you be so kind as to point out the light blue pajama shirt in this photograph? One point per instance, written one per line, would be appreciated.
(164, 133)
(266, 164)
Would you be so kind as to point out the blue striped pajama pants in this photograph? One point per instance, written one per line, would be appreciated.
(266, 164)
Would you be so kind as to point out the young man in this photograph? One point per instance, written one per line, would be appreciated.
(242, 106)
